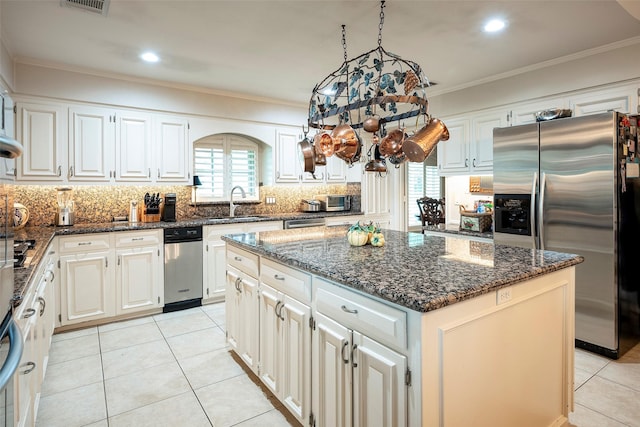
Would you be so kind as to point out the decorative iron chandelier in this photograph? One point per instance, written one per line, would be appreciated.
(366, 93)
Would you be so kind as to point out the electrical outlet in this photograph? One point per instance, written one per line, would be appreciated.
(270, 200)
(503, 295)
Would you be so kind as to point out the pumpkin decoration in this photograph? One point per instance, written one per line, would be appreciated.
(357, 235)
(377, 238)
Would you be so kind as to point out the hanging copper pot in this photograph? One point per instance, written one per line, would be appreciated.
(418, 146)
(371, 124)
(344, 138)
(307, 155)
(377, 164)
(392, 143)
(351, 153)
(324, 144)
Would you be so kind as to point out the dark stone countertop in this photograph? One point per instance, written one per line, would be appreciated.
(44, 235)
(416, 271)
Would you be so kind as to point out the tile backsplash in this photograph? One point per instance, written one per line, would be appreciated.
(97, 203)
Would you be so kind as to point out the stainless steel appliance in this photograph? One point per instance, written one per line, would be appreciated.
(303, 223)
(310, 205)
(334, 203)
(65, 213)
(560, 185)
(11, 344)
(182, 268)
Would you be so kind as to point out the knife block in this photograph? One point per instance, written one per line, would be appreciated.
(147, 216)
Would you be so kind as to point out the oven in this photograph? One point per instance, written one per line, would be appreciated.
(11, 343)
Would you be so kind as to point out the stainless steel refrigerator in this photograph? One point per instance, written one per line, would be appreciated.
(562, 185)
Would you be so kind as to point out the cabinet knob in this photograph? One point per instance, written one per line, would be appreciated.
(466, 163)
(474, 163)
(43, 305)
(348, 310)
(59, 170)
(28, 313)
(30, 367)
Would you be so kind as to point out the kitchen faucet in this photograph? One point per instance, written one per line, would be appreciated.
(232, 207)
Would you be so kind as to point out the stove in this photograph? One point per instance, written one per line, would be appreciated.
(21, 250)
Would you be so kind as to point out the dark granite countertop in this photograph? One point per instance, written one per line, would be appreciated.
(416, 271)
(44, 235)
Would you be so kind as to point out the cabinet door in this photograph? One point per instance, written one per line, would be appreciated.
(453, 154)
(248, 331)
(482, 143)
(379, 391)
(172, 148)
(138, 284)
(214, 260)
(91, 144)
(375, 193)
(523, 114)
(8, 166)
(42, 129)
(233, 299)
(332, 374)
(287, 156)
(618, 99)
(336, 170)
(295, 378)
(133, 147)
(87, 291)
(25, 378)
(271, 338)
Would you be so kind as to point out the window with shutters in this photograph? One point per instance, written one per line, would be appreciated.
(422, 180)
(223, 162)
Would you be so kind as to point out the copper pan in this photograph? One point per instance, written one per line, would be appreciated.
(324, 144)
(392, 143)
(307, 158)
(419, 145)
(344, 139)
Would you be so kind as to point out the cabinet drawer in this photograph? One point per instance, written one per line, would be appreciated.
(366, 315)
(243, 261)
(84, 243)
(127, 239)
(287, 280)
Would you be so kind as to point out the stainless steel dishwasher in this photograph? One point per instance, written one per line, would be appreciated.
(182, 268)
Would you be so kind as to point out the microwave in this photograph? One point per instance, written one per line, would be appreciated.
(333, 203)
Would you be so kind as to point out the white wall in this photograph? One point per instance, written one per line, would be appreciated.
(41, 81)
(601, 67)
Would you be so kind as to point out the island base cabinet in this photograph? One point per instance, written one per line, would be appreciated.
(242, 317)
(494, 363)
(285, 350)
(360, 382)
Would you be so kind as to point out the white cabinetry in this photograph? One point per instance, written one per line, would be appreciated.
(35, 317)
(133, 161)
(285, 336)
(376, 200)
(7, 166)
(42, 129)
(214, 259)
(622, 99)
(470, 145)
(242, 305)
(357, 374)
(139, 278)
(91, 139)
(172, 148)
(287, 157)
(525, 113)
(110, 274)
(86, 274)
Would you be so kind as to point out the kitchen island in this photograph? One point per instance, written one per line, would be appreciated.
(425, 331)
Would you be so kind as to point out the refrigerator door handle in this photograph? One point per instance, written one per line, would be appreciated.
(532, 213)
(543, 185)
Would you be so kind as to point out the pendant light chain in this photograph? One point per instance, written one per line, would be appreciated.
(381, 23)
(344, 42)
(347, 114)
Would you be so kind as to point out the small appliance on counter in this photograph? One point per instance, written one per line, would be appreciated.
(310, 205)
(65, 212)
(334, 203)
(169, 207)
(133, 211)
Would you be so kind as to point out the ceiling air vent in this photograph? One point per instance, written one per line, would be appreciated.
(97, 6)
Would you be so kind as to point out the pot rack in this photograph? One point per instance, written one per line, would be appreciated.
(375, 83)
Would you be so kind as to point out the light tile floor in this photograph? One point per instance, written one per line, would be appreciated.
(171, 369)
(174, 369)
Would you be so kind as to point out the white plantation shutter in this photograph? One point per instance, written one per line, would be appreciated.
(222, 162)
(422, 180)
(243, 170)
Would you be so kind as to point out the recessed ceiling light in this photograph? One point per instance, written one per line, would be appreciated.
(150, 57)
(494, 25)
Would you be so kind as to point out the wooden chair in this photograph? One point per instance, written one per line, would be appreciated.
(431, 211)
